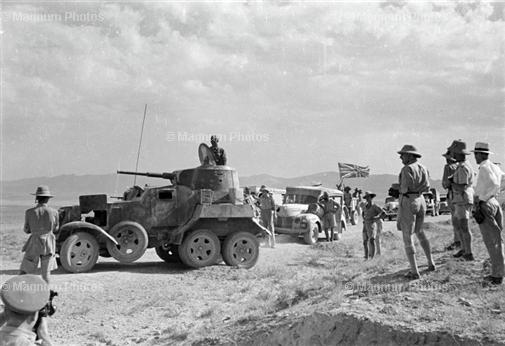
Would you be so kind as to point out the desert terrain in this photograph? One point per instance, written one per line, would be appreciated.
(296, 294)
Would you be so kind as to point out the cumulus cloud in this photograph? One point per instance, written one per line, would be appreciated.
(327, 78)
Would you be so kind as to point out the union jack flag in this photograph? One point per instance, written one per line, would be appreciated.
(349, 170)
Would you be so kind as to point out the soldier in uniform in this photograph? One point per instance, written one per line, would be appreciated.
(462, 198)
(219, 153)
(40, 222)
(329, 221)
(449, 169)
(414, 180)
(347, 202)
(267, 212)
(23, 297)
(372, 214)
(491, 228)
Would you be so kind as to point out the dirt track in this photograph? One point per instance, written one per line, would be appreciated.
(151, 302)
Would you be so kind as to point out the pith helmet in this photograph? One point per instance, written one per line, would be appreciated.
(369, 194)
(409, 149)
(43, 191)
(482, 147)
(25, 293)
(459, 147)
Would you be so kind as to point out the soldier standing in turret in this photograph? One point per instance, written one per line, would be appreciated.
(219, 153)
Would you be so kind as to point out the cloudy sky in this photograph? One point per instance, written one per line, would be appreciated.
(292, 88)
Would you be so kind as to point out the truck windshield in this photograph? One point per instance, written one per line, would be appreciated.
(291, 198)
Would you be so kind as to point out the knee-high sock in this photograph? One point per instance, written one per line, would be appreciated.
(411, 256)
(371, 246)
(466, 236)
(425, 244)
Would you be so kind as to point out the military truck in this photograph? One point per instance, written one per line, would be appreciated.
(195, 219)
(301, 216)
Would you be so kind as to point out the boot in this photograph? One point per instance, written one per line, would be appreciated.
(365, 246)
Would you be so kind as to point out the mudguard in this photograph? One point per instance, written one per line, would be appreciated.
(216, 211)
(311, 219)
(71, 226)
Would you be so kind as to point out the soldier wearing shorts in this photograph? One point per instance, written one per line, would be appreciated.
(41, 222)
(449, 169)
(372, 213)
(462, 198)
(267, 213)
(330, 208)
(414, 180)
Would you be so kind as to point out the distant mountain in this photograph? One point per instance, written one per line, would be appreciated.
(69, 187)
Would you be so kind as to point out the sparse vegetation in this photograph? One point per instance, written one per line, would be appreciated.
(169, 305)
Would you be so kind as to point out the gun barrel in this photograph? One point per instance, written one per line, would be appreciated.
(148, 174)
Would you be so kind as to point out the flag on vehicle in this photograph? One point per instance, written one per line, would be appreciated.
(349, 170)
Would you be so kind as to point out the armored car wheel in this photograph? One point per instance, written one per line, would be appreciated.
(170, 255)
(312, 236)
(79, 252)
(132, 241)
(200, 248)
(241, 250)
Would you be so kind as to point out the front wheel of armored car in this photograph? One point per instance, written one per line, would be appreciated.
(79, 252)
(169, 255)
(132, 241)
(241, 250)
(312, 236)
(200, 248)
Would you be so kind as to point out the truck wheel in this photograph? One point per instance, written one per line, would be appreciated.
(200, 248)
(354, 218)
(312, 236)
(241, 250)
(171, 255)
(79, 252)
(132, 241)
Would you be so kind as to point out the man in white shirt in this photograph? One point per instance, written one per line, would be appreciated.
(486, 190)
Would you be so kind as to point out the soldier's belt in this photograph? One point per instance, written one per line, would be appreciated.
(407, 194)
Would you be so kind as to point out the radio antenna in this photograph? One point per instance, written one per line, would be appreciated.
(140, 144)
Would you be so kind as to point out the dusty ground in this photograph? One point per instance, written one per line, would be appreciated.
(292, 289)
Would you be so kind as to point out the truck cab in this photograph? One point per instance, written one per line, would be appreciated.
(301, 215)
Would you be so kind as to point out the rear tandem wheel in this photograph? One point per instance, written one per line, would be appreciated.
(241, 250)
